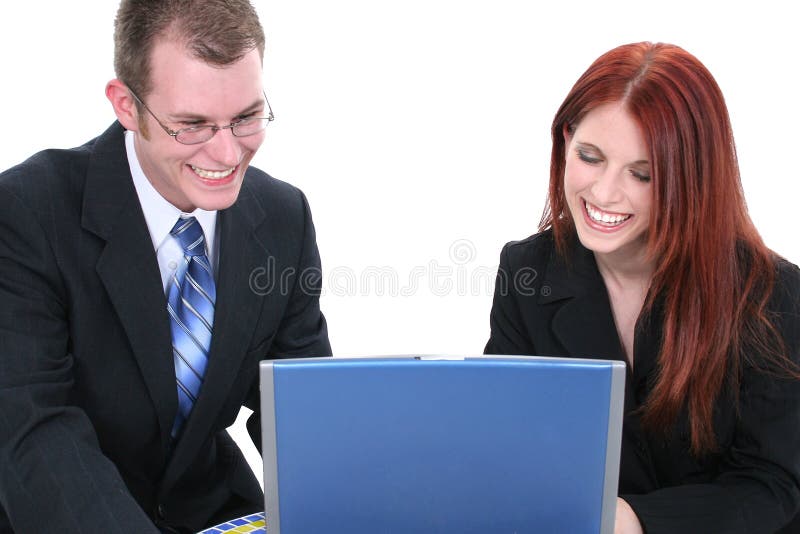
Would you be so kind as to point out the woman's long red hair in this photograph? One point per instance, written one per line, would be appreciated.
(713, 273)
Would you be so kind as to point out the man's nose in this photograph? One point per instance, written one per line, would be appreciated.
(225, 148)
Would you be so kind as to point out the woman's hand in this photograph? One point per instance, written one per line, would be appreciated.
(626, 521)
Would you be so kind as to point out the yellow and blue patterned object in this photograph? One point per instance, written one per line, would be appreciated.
(251, 524)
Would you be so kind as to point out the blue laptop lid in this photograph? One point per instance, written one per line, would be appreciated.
(483, 444)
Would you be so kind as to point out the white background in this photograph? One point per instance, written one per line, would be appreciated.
(419, 131)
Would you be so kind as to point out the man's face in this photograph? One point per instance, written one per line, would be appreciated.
(188, 92)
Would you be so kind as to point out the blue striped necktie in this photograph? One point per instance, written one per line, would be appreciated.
(190, 304)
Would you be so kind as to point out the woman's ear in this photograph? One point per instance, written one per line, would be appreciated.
(566, 131)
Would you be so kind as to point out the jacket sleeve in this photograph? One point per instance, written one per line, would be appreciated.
(508, 334)
(303, 331)
(758, 489)
(53, 475)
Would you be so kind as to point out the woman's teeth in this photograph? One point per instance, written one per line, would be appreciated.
(606, 218)
(214, 175)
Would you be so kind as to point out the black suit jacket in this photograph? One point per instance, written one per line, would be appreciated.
(548, 305)
(87, 383)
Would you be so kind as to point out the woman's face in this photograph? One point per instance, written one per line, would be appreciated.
(607, 183)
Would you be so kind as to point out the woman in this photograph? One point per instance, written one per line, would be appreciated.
(646, 254)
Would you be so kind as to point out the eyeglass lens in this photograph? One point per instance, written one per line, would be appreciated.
(201, 134)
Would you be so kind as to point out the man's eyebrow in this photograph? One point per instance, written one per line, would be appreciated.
(186, 116)
(260, 103)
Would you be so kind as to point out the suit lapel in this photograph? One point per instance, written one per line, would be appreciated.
(129, 270)
(236, 312)
(583, 324)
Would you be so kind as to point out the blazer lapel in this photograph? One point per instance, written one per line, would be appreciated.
(129, 270)
(236, 312)
(584, 323)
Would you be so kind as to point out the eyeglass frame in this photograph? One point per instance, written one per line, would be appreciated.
(214, 128)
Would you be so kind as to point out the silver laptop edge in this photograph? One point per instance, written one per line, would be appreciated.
(613, 447)
(269, 452)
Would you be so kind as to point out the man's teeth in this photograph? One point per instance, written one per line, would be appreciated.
(213, 174)
(603, 217)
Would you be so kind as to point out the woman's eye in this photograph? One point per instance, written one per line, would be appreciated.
(642, 177)
(583, 156)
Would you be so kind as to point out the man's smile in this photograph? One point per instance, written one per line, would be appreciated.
(212, 175)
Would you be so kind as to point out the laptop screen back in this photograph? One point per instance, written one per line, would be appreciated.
(484, 444)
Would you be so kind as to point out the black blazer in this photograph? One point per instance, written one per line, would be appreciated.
(548, 305)
(87, 383)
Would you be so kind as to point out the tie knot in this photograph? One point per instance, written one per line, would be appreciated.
(189, 234)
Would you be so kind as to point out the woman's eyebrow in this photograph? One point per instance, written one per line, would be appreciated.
(590, 146)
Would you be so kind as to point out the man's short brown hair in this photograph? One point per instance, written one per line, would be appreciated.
(219, 32)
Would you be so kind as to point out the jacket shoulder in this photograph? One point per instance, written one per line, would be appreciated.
(270, 191)
(47, 174)
(786, 292)
(788, 274)
(535, 250)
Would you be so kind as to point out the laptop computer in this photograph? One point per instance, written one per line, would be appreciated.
(418, 444)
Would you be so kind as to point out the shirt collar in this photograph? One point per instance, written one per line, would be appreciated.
(159, 214)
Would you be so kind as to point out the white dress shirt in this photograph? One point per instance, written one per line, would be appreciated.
(161, 216)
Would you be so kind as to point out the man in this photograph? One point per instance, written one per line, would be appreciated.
(126, 347)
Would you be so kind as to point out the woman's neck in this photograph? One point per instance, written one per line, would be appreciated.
(627, 282)
(626, 271)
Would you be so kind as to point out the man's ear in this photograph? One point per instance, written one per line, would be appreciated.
(124, 104)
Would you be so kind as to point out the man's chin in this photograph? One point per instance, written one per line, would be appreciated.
(215, 200)
(218, 204)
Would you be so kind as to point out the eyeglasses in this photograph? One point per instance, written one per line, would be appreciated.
(194, 135)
